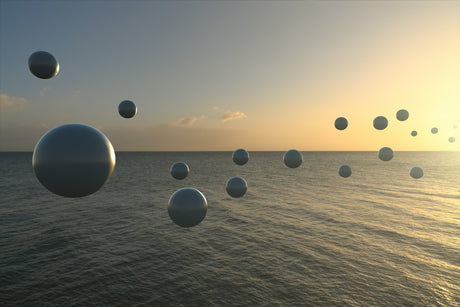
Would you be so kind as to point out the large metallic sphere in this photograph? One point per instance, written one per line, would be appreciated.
(451, 139)
(179, 170)
(345, 171)
(380, 122)
(341, 123)
(416, 172)
(434, 130)
(73, 160)
(43, 65)
(413, 133)
(402, 115)
(187, 207)
(240, 156)
(127, 109)
(292, 158)
(236, 187)
(386, 154)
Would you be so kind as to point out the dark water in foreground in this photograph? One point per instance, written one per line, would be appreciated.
(298, 237)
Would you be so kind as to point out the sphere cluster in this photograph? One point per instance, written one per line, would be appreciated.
(76, 160)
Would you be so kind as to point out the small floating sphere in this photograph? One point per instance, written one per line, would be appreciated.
(451, 139)
(380, 122)
(402, 115)
(416, 172)
(73, 160)
(127, 109)
(345, 171)
(413, 133)
(236, 187)
(434, 130)
(341, 123)
(385, 154)
(179, 170)
(43, 65)
(240, 156)
(187, 207)
(292, 158)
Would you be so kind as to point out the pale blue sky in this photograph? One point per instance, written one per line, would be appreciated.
(279, 63)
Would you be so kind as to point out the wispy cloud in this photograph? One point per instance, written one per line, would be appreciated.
(43, 91)
(232, 115)
(11, 103)
(188, 121)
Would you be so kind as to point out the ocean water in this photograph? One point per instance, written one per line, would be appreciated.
(299, 237)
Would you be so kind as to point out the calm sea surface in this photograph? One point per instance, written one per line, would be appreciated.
(299, 237)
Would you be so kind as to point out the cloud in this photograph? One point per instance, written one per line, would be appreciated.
(188, 121)
(232, 115)
(11, 103)
(43, 92)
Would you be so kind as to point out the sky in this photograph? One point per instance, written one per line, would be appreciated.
(222, 75)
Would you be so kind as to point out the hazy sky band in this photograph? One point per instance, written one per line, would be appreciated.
(223, 75)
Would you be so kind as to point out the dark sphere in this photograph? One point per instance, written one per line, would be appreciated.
(380, 122)
(293, 158)
(236, 187)
(179, 170)
(386, 154)
(402, 115)
(73, 160)
(127, 109)
(43, 65)
(345, 171)
(240, 156)
(416, 172)
(187, 207)
(341, 123)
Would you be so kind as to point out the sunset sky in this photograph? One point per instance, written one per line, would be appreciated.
(259, 75)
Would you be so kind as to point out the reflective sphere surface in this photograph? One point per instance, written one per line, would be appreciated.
(127, 109)
(380, 122)
(73, 160)
(240, 156)
(292, 158)
(236, 187)
(341, 123)
(187, 207)
(345, 171)
(416, 172)
(43, 65)
(179, 170)
(402, 115)
(385, 154)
